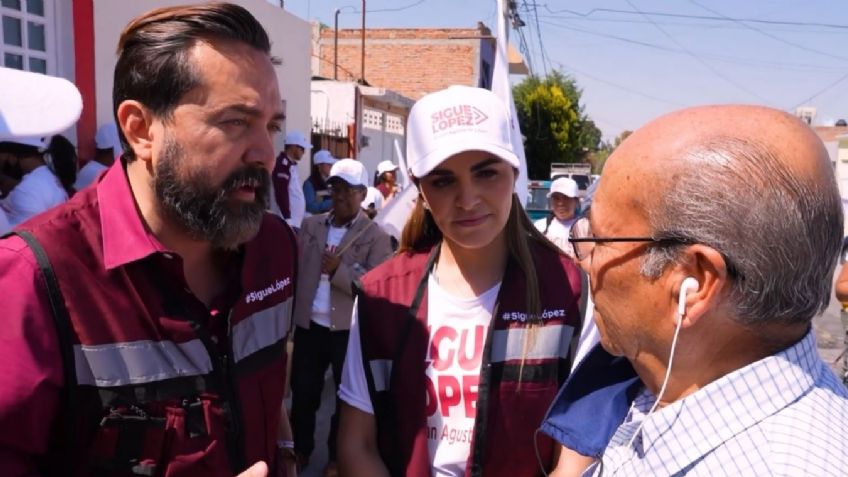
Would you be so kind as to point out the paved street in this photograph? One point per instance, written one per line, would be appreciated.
(829, 334)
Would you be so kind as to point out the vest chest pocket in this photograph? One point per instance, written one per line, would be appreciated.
(146, 439)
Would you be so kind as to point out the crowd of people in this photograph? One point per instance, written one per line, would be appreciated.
(660, 327)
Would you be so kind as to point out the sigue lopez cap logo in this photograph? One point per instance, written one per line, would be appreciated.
(460, 115)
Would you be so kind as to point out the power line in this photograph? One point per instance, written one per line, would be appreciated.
(697, 17)
(542, 50)
(721, 58)
(822, 91)
(621, 87)
(769, 35)
(702, 61)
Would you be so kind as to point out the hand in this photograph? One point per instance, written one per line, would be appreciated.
(287, 465)
(329, 263)
(259, 469)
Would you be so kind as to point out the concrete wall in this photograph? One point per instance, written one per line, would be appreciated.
(290, 37)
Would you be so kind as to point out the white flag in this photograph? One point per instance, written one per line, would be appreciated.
(392, 217)
(403, 177)
(502, 88)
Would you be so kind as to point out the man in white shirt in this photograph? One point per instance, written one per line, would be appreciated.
(336, 248)
(564, 201)
(108, 148)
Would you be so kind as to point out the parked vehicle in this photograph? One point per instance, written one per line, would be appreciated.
(538, 205)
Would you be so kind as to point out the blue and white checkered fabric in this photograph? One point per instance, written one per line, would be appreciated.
(785, 415)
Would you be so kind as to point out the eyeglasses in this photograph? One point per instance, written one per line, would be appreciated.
(584, 241)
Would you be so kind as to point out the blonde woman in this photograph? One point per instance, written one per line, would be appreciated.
(460, 341)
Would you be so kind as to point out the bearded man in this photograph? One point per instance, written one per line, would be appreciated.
(145, 319)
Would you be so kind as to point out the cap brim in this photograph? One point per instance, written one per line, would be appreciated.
(426, 164)
(36, 105)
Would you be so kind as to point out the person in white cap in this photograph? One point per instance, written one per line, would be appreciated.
(335, 249)
(373, 202)
(288, 191)
(23, 152)
(387, 180)
(22, 127)
(461, 340)
(564, 199)
(315, 189)
(108, 147)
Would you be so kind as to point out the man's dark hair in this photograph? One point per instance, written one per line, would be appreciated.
(153, 53)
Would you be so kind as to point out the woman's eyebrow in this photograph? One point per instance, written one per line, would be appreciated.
(484, 163)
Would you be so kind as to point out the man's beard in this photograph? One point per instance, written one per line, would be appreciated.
(207, 211)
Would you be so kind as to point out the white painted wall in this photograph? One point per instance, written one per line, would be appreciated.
(290, 38)
(333, 101)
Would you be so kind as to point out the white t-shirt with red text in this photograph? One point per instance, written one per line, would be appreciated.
(458, 328)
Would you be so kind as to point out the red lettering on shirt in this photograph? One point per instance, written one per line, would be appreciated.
(450, 393)
(440, 363)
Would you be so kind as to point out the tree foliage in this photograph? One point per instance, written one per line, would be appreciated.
(553, 123)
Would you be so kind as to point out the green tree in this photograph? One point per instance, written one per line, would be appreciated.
(553, 123)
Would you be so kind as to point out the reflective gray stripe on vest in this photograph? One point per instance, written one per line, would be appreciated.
(139, 362)
(261, 329)
(381, 370)
(549, 342)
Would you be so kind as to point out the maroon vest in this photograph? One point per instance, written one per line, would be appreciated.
(157, 392)
(281, 178)
(511, 399)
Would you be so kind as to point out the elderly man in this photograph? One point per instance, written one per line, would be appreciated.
(711, 246)
(336, 248)
(144, 320)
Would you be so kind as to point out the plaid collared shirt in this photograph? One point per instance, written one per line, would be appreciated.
(786, 415)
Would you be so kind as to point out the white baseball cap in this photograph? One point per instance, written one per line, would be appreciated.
(455, 120)
(351, 171)
(107, 138)
(296, 138)
(565, 186)
(386, 166)
(34, 105)
(323, 157)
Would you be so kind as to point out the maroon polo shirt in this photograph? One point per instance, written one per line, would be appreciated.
(30, 364)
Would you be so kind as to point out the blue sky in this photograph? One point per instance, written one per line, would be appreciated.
(638, 59)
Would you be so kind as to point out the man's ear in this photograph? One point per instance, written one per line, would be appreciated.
(136, 122)
(707, 266)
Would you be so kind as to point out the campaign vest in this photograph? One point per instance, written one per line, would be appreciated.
(512, 399)
(150, 390)
(281, 178)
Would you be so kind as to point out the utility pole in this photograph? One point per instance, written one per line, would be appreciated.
(362, 59)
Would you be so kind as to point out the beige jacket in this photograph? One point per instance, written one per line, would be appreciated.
(371, 246)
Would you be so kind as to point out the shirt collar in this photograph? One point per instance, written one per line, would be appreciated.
(349, 225)
(684, 431)
(126, 238)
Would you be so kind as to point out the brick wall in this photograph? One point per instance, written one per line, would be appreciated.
(412, 62)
